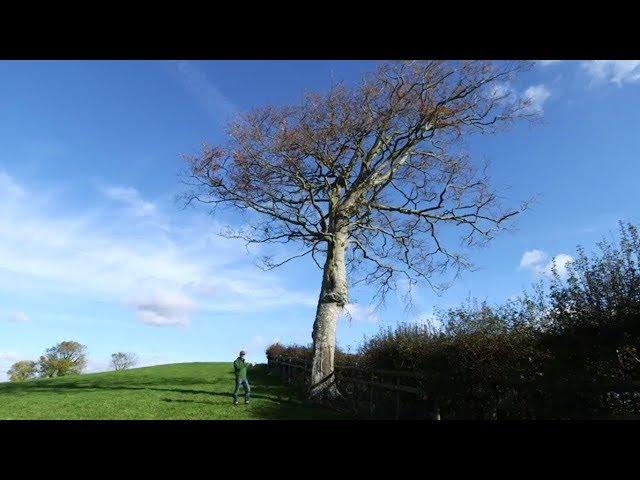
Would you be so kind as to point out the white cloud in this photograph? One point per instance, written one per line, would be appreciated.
(131, 198)
(7, 359)
(255, 348)
(537, 95)
(359, 313)
(534, 260)
(505, 93)
(428, 320)
(9, 188)
(546, 63)
(502, 91)
(614, 71)
(249, 292)
(111, 256)
(18, 317)
(532, 257)
(164, 308)
(561, 262)
(206, 93)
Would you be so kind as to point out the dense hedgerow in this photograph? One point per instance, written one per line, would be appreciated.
(567, 351)
(476, 364)
(302, 352)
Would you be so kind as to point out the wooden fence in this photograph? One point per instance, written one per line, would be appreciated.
(372, 393)
(398, 394)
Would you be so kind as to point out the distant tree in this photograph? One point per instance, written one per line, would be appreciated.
(370, 181)
(122, 360)
(22, 370)
(65, 358)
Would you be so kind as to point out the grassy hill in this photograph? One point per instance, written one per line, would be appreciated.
(176, 391)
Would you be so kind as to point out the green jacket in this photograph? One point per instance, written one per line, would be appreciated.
(240, 367)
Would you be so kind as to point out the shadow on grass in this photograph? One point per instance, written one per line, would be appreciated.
(283, 402)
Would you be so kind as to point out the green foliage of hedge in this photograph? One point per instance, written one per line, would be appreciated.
(569, 349)
(305, 352)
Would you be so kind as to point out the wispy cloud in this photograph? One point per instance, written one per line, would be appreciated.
(151, 267)
(546, 63)
(561, 262)
(256, 346)
(536, 261)
(247, 291)
(206, 93)
(614, 71)
(7, 358)
(360, 313)
(164, 308)
(428, 319)
(18, 317)
(9, 188)
(537, 95)
(131, 198)
(502, 91)
(531, 258)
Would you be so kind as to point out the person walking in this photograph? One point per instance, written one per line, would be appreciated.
(240, 368)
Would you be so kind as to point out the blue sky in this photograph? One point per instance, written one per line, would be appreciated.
(94, 248)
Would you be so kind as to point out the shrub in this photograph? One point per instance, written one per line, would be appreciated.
(567, 351)
(274, 350)
(301, 352)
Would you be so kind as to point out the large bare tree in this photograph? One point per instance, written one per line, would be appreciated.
(365, 179)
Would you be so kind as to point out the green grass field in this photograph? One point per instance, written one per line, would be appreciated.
(176, 391)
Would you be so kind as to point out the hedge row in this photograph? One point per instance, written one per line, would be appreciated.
(570, 349)
(305, 352)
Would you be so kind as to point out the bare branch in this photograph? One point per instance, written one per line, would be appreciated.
(380, 163)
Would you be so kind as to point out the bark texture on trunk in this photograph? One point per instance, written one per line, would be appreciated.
(333, 298)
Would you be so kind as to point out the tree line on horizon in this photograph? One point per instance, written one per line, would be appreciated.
(64, 358)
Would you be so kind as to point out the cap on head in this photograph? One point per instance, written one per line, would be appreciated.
(242, 353)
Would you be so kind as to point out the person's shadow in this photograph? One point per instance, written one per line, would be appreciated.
(277, 399)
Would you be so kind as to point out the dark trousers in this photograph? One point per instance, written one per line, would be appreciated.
(245, 385)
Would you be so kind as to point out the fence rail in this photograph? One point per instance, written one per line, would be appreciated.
(397, 394)
(373, 381)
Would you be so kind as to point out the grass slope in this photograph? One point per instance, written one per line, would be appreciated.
(176, 391)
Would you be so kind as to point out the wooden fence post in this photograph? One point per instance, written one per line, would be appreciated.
(371, 388)
(397, 398)
(436, 409)
(384, 397)
(355, 395)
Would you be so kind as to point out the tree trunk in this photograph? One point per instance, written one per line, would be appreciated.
(333, 298)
